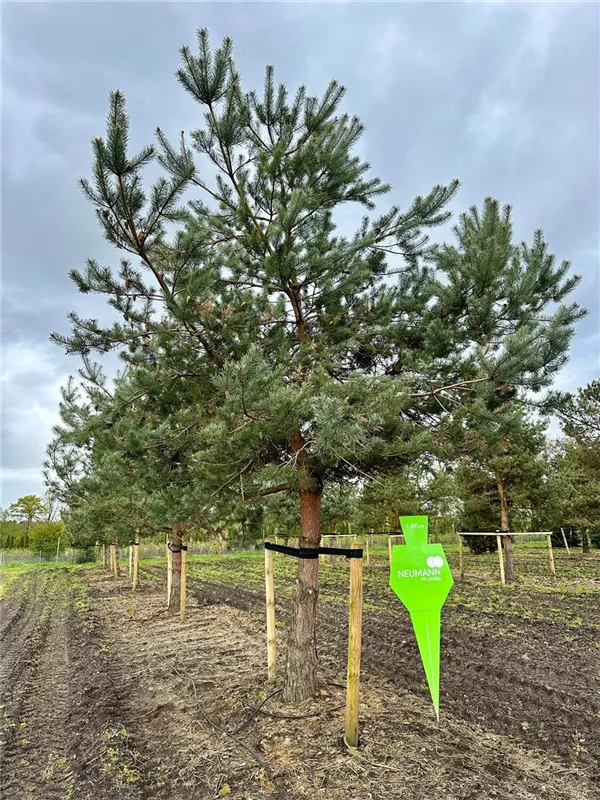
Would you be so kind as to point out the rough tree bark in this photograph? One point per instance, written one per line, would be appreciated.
(509, 566)
(176, 540)
(585, 539)
(301, 669)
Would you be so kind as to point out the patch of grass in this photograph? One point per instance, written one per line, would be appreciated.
(118, 757)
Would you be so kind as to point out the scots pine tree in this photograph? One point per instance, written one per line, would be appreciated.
(579, 471)
(316, 357)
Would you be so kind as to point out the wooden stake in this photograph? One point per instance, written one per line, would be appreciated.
(354, 645)
(551, 555)
(136, 563)
(169, 572)
(104, 555)
(368, 554)
(130, 562)
(183, 585)
(390, 551)
(501, 559)
(111, 551)
(117, 569)
(270, 600)
(562, 530)
(461, 560)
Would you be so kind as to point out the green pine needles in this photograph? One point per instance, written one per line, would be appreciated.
(266, 350)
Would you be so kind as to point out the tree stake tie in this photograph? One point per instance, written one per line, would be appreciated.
(421, 578)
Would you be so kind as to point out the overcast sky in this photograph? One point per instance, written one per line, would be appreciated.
(502, 96)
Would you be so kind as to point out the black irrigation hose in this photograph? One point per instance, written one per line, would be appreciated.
(256, 710)
(232, 736)
(289, 716)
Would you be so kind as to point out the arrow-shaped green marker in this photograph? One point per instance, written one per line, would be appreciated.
(421, 578)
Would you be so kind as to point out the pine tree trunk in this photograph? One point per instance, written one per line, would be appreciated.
(509, 566)
(175, 542)
(301, 671)
(397, 519)
(585, 540)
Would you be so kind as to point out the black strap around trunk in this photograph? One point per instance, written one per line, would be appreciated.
(314, 552)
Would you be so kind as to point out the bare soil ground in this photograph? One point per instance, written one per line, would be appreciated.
(60, 722)
(105, 695)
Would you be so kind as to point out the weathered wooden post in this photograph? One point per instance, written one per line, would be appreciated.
(183, 584)
(562, 530)
(354, 645)
(136, 562)
(117, 567)
(270, 601)
(130, 573)
(551, 555)
(501, 559)
(368, 554)
(169, 572)
(104, 554)
(390, 550)
(461, 560)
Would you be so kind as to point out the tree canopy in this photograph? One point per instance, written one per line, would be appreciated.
(266, 350)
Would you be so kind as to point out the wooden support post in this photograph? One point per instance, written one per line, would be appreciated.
(270, 600)
(368, 554)
(169, 572)
(136, 563)
(551, 555)
(117, 568)
(461, 560)
(111, 550)
(130, 562)
(354, 645)
(501, 559)
(562, 530)
(183, 584)
(104, 554)
(390, 550)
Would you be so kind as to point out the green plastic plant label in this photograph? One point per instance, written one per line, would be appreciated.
(421, 578)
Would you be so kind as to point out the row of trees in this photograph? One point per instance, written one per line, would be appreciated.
(267, 351)
(29, 523)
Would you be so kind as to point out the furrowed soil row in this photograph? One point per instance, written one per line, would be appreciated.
(523, 685)
(123, 701)
(57, 717)
(221, 648)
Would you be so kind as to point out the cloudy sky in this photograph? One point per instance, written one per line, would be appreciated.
(504, 96)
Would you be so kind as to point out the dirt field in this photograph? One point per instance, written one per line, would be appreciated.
(105, 696)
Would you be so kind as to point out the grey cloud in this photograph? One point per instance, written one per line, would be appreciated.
(502, 96)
